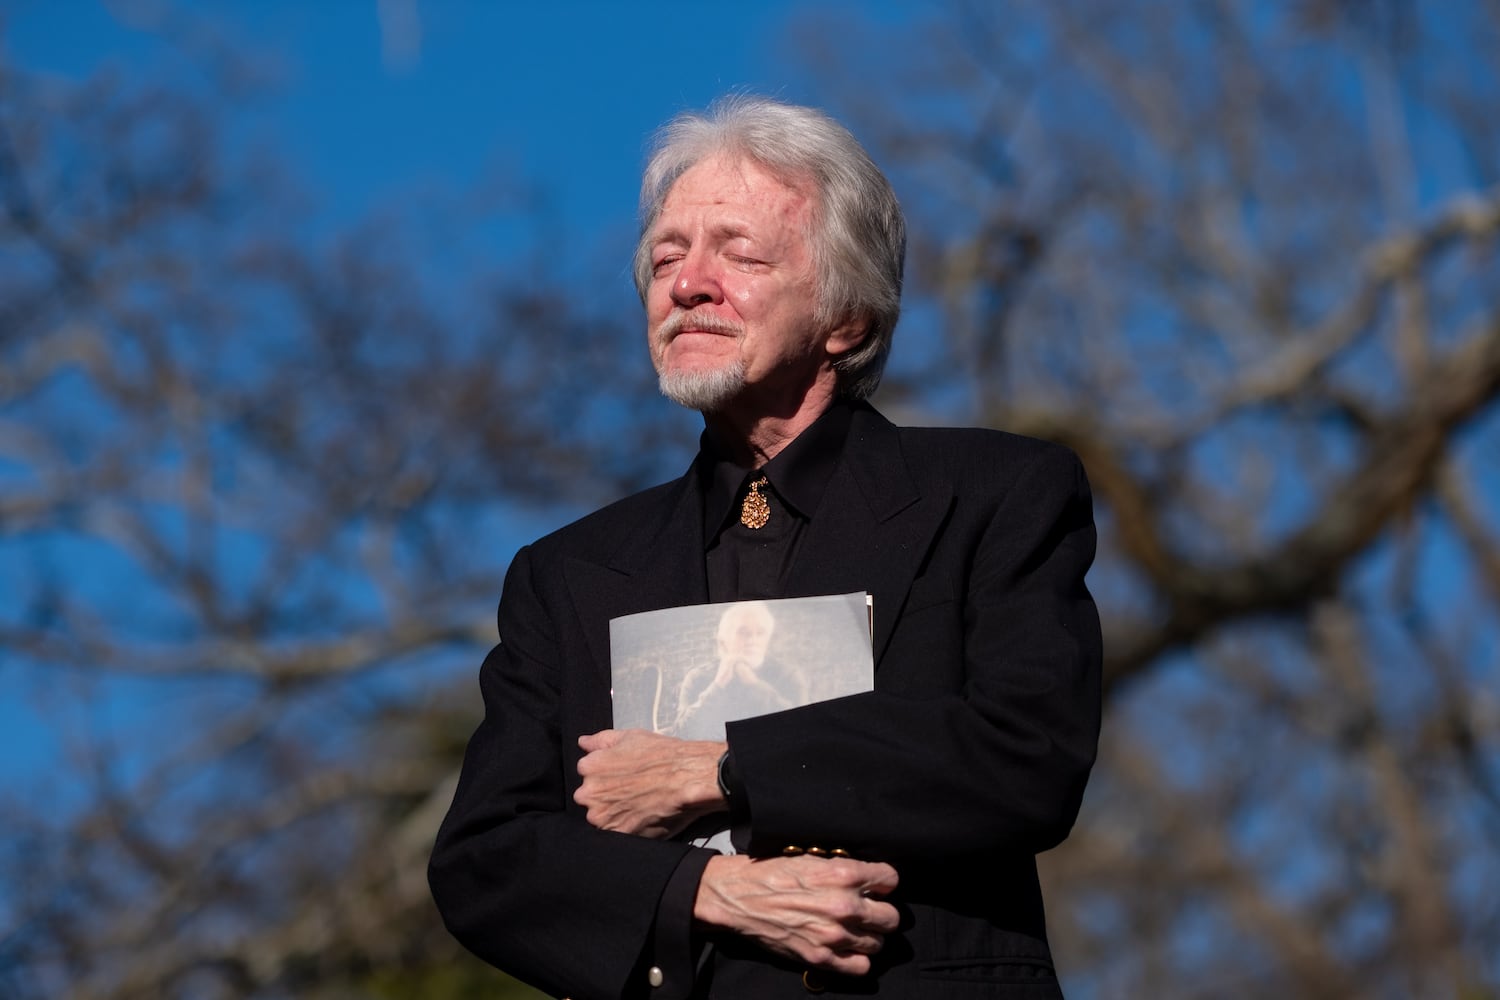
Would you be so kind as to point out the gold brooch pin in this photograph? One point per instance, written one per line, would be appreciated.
(755, 511)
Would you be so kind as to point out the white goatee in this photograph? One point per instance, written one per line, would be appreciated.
(702, 390)
(706, 391)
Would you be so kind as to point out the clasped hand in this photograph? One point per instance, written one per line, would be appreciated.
(735, 670)
(650, 785)
(824, 912)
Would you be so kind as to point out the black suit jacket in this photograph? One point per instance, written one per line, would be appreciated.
(968, 758)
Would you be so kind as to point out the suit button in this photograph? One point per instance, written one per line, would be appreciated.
(812, 981)
(654, 976)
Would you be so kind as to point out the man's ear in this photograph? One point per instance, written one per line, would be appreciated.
(845, 337)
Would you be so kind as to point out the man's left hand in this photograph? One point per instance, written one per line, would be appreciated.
(639, 782)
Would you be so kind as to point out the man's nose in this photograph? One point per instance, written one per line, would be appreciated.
(696, 282)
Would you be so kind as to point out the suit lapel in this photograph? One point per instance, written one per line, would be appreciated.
(873, 528)
(658, 565)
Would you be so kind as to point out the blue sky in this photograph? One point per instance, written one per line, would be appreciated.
(365, 109)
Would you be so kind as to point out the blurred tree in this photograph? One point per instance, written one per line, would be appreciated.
(253, 481)
(1242, 257)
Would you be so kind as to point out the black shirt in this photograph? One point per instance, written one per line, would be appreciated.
(746, 563)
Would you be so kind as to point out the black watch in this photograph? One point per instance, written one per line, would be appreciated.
(723, 785)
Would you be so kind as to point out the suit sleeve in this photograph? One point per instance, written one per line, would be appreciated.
(520, 877)
(998, 764)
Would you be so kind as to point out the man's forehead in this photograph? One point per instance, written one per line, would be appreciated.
(723, 177)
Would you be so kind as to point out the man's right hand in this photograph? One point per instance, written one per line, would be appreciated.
(821, 911)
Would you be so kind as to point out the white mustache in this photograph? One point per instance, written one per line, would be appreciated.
(706, 322)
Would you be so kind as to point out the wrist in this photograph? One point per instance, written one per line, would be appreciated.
(701, 793)
(709, 909)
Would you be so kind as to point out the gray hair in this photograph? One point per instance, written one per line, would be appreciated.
(739, 610)
(859, 233)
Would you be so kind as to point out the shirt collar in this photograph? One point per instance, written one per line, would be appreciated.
(798, 474)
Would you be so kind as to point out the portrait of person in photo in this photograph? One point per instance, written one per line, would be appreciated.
(742, 683)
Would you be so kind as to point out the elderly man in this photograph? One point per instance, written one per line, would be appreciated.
(741, 682)
(887, 840)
